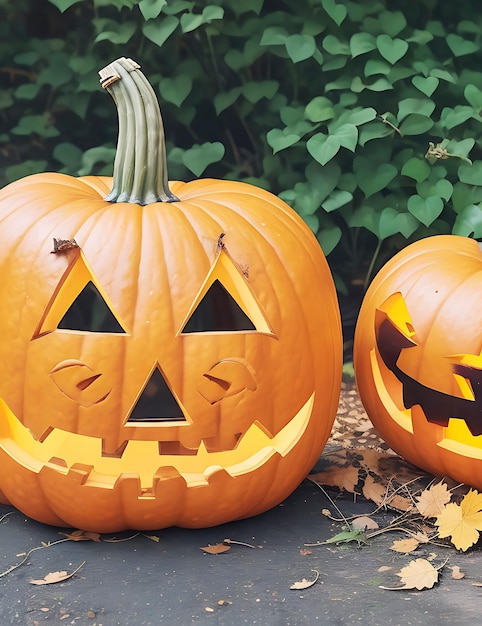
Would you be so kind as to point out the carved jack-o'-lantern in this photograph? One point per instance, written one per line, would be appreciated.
(417, 356)
(175, 358)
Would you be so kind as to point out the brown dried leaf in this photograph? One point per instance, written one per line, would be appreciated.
(373, 490)
(370, 458)
(400, 503)
(432, 501)
(363, 522)
(418, 574)
(405, 545)
(457, 574)
(55, 577)
(81, 535)
(217, 548)
(152, 537)
(305, 552)
(304, 584)
(335, 476)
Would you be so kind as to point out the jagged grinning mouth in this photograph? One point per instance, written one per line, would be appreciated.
(62, 451)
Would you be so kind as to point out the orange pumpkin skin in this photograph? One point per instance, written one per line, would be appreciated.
(69, 454)
(417, 356)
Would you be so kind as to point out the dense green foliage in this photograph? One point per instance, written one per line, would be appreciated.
(364, 115)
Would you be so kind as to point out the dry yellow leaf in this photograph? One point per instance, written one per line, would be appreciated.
(345, 477)
(373, 490)
(304, 584)
(405, 545)
(463, 522)
(54, 577)
(418, 574)
(217, 548)
(457, 574)
(363, 522)
(432, 501)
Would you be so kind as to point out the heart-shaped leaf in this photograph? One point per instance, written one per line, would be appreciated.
(391, 49)
(323, 147)
(426, 85)
(176, 89)
(300, 47)
(159, 32)
(337, 12)
(197, 158)
(279, 139)
(460, 46)
(426, 210)
(371, 178)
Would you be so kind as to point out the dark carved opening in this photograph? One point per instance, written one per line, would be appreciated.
(157, 404)
(218, 311)
(90, 313)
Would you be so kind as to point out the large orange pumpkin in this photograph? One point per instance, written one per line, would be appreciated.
(171, 352)
(417, 356)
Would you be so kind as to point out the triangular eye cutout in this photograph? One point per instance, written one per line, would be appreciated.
(218, 311)
(89, 312)
(156, 403)
(79, 303)
(225, 302)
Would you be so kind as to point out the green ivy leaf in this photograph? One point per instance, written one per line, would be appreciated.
(420, 106)
(426, 210)
(328, 238)
(471, 174)
(158, 32)
(473, 95)
(361, 43)
(150, 9)
(63, 5)
(392, 22)
(122, 35)
(300, 47)
(426, 85)
(319, 109)
(337, 12)
(199, 157)
(372, 178)
(460, 46)
(224, 100)
(336, 199)
(274, 36)
(415, 124)
(416, 168)
(348, 136)
(256, 90)
(391, 49)
(392, 222)
(176, 89)
(468, 222)
(334, 46)
(92, 157)
(280, 139)
(323, 147)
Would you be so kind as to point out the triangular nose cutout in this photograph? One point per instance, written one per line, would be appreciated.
(89, 312)
(156, 403)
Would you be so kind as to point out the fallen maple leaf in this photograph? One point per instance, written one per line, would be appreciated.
(405, 545)
(305, 583)
(463, 522)
(217, 548)
(55, 577)
(373, 490)
(345, 477)
(431, 502)
(418, 574)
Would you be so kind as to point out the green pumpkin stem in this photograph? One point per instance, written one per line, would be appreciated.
(140, 167)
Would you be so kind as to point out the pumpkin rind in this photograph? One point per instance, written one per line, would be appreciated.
(429, 297)
(69, 453)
